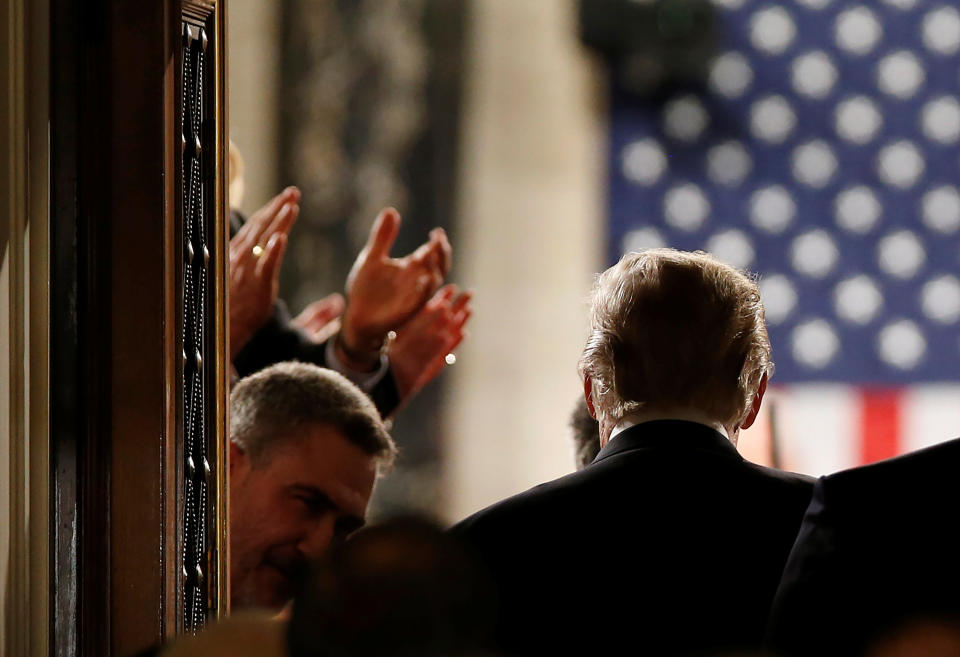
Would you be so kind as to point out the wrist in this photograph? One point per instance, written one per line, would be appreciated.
(354, 356)
(359, 341)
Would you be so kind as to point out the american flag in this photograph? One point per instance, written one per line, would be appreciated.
(821, 154)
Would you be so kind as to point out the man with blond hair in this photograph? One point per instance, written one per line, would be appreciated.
(688, 539)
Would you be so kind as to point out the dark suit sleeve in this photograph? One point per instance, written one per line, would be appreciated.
(279, 340)
(808, 615)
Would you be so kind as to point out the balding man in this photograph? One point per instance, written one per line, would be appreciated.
(688, 539)
(306, 446)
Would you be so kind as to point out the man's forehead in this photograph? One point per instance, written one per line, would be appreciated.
(322, 458)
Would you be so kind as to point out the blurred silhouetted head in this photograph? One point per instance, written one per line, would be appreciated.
(403, 588)
(921, 637)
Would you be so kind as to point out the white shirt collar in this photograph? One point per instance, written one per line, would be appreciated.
(686, 414)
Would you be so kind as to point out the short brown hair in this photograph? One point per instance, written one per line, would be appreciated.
(672, 328)
(273, 403)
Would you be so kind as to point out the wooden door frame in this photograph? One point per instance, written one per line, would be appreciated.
(115, 567)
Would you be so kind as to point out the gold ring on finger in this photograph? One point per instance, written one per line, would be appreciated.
(257, 251)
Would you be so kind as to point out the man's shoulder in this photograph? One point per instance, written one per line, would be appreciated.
(519, 508)
(917, 490)
(586, 486)
(914, 471)
(783, 479)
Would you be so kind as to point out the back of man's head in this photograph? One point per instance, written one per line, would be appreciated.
(675, 329)
(273, 404)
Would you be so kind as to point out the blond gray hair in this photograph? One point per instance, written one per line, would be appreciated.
(675, 329)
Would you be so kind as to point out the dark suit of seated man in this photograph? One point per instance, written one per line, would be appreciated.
(879, 547)
(688, 540)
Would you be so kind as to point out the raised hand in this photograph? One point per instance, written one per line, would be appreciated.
(321, 319)
(256, 252)
(419, 351)
(383, 293)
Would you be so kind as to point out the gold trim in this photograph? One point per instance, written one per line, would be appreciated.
(222, 510)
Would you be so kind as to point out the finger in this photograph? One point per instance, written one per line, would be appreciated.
(283, 222)
(268, 266)
(461, 317)
(445, 251)
(384, 233)
(428, 283)
(327, 331)
(254, 229)
(461, 301)
(425, 254)
(443, 296)
(321, 312)
(430, 258)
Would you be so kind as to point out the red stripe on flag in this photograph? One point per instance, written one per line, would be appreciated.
(879, 424)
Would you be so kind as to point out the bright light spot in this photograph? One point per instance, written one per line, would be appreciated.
(900, 164)
(814, 253)
(901, 254)
(901, 344)
(772, 119)
(857, 299)
(732, 247)
(730, 75)
(643, 162)
(858, 119)
(641, 239)
(858, 30)
(815, 344)
(686, 207)
(814, 163)
(779, 297)
(728, 164)
(685, 118)
(814, 74)
(940, 299)
(941, 209)
(857, 209)
(729, 4)
(772, 30)
(900, 74)
(901, 4)
(772, 209)
(941, 30)
(941, 120)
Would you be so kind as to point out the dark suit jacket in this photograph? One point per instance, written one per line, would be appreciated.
(879, 544)
(668, 543)
(278, 340)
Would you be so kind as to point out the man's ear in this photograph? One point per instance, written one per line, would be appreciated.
(239, 460)
(755, 406)
(588, 395)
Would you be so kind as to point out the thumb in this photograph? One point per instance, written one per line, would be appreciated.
(384, 233)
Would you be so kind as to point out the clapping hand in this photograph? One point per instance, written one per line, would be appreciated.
(256, 252)
(420, 349)
(383, 293)
(321, 319)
